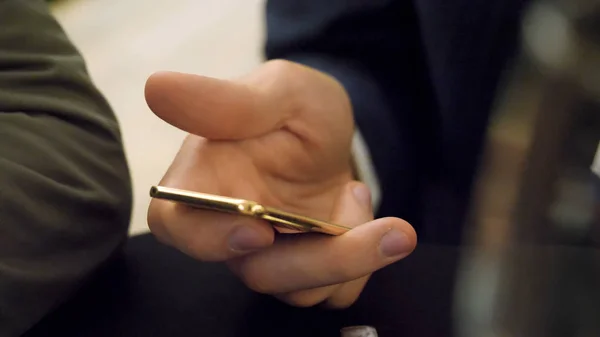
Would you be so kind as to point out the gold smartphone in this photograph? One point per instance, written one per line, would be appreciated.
(249, 208)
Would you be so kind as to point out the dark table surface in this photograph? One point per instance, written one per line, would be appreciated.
(154, 290)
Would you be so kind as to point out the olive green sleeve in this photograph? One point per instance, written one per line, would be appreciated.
(65, 190)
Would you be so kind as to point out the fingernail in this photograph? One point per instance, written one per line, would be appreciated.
(394, 243)
(245, 239)
(362, 194)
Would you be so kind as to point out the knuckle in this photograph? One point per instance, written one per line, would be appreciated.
(194, 247)
(340, 303)
(254, 279)
(157, 217)
(300, 300)
(279, 80)
(280, 77)
(256, 283)
(163, 218)
(343, 272)
(162, 214)
(197, 247)
(280, 66)
(347, 295)
(342, 269)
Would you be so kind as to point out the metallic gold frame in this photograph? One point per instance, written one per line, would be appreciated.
(249, 208)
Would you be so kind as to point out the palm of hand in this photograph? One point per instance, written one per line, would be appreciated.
(271, 169)
(298, 163)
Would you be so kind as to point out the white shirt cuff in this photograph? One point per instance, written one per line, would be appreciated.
(365, 168)
(596, 164)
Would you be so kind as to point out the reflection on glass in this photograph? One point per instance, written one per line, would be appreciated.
(534, 269)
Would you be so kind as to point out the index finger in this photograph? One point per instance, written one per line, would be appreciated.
(214, 108)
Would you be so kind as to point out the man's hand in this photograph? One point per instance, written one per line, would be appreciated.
(280, 136)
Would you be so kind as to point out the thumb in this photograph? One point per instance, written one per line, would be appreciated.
(213, 108)
(311, 261)
(353, 208)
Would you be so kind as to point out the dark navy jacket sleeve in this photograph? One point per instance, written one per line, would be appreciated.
(372, 47)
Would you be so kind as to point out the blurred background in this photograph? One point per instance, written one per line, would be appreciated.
(124, 42)
(536, 211)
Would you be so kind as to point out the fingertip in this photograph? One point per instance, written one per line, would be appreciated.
(155, 81)
(401, 224)
(394, 238)
(399, 238)
(362, 194)
(213, 108)
(183, 100)
(154, 91)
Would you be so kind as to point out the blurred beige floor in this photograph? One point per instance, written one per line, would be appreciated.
(124, 41)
